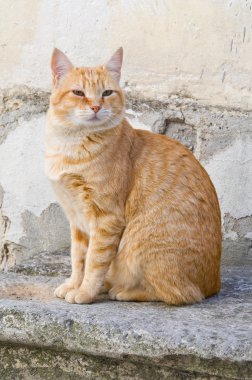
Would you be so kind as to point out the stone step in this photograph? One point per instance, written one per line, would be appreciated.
(45, 338)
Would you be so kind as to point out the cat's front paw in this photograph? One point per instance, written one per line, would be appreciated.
(79, 296)
(70, 296)
(62, 290)
(83, 297)
(113, 293)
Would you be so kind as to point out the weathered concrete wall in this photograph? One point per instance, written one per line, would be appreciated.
(200, 49)
(30, 220)
(187, 73)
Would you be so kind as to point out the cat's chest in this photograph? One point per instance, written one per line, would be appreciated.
(57, 165)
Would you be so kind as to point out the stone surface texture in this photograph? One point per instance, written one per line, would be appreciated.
(40, 335)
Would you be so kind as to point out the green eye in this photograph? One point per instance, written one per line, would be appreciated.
(78, 93)
(107, 92)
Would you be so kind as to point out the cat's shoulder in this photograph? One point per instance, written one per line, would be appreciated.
(151, 138)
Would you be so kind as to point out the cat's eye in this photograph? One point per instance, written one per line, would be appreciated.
(107, 92)
(78, 93)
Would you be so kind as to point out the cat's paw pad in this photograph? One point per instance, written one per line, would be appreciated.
(83, 297)
(62, 290)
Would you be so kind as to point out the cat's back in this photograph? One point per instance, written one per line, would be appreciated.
(162, 146)
(165, 157)
(168, 176)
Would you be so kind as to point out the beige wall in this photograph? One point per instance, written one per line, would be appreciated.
(195, 48)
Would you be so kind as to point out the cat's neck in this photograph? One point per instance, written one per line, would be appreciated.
(77, 156)
(80, 142)
(64, 134)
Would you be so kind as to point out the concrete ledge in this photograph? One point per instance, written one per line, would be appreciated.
(210, 340)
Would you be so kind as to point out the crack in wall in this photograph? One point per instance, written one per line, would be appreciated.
(20, 103)
(241, 226)
(47, 232)
(212, 129)
(9, 251)
(7, 255)
(181, 131)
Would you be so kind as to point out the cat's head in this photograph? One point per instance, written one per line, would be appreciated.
(86, 99)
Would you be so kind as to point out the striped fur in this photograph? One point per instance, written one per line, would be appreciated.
(144, 215)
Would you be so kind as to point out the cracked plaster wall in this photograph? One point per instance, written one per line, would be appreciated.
(30, 220)
(187, 73)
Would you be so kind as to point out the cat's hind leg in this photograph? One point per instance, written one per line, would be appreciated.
(124, 280)
(171, 282)
(159, 277)
(134, 294)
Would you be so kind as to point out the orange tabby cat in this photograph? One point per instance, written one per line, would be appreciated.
(144, 215)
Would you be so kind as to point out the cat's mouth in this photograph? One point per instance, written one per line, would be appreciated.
(94, 117)
(84, 118)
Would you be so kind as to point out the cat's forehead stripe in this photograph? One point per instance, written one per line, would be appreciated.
(93, 81)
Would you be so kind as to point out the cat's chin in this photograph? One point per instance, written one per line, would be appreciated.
(95, 124)
(92, 125)
(94, 121)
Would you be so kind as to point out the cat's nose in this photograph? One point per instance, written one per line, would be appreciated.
(95, 108)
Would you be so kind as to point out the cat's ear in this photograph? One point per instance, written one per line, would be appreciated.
(115, 63)
(60, 65)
